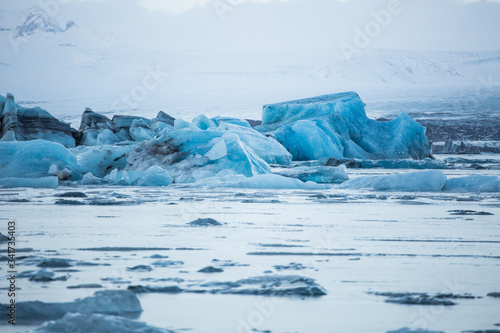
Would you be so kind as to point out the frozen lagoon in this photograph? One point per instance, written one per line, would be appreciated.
(351, 242)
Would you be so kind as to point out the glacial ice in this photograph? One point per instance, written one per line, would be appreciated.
(193, 154)
(23, 124)
(321, 174)
(265, 147)
(423, 181)
(141, 131)
(34, 159)
(265, 181)
(97, 323)
(111, 302)
(43, 182)
(474, 183)
(270, 285)
(100, 160)
(337, 126)
(154, 176)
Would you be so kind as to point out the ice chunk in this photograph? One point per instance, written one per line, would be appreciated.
(154, 176)
(423, 181)
(234, 121)
(97, 323)
(190, 155)
(44, 275)
(141, 131)
(321, 174)
(337, 126)
(22, 124)
(99, 137)
(206, 222)
(92, 120)
(203, 123)
(265, 147)
(100, 160)
(180, 124)
(43, 182)
(218, 151)
(474, 183)
(162, 121)
(276, 285)
(265, 181)
(409, 330)
(32, 159)
(111, 302)
(210, 269)
(120, 122)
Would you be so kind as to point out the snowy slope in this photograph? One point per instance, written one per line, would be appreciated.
(65, 67)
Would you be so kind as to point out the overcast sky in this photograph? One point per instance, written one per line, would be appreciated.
(226, 25)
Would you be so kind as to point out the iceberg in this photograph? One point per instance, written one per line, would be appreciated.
(265, 147)
(97, 323)
(154, 176)
(320, 174)
(141, 131)
(474, 183)
(110, 302)
(43, 182)
(423, 181)
(24, 124)
(35, 159)
(101, 160)
(337, 126)
(265, 181)
(192, 154)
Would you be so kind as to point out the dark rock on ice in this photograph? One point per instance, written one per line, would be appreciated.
(97, 323)
(494, 294)
(3, 238)
(140, 268)
(211, 269)
(56, 263)
(482, 331)
(206, 222)
(21, 124)
(72, 195)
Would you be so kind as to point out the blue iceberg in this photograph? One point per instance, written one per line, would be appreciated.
(337, 126)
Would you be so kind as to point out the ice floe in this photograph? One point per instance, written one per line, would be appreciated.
(97, 323)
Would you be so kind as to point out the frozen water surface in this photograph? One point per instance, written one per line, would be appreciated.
(355, 245)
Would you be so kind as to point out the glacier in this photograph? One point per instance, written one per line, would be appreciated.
(325, 132)
(20, 123)
(336, 126)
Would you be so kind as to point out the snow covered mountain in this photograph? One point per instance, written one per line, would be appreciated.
(68, 67)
